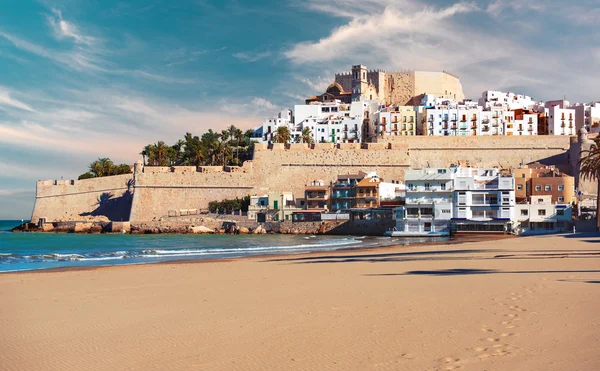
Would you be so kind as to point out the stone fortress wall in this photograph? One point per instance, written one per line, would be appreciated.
(165, 192)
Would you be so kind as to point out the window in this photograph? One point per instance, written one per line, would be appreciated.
(441, 171)
(538, 187)
(445, 211)
(524, 212)
(519, 187)
(561, 199)
(443, 186)
(561, 187)
(560, 212)
(542, 212)
(547, 188)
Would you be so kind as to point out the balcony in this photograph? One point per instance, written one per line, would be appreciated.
(486, 128)
(530, 129)
(316, 197)
(445, 126)
(454, 127)
(474, 126)
(474, 118)
(430, 119)
(495, 124)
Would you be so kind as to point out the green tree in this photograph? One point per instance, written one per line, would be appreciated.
(282, 135)
(305, 136)
(590, 170)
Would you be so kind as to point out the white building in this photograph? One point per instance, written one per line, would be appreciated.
(525, 123)
(270, 125)
(492, 99)
(333, 121)
(541, 216)
(452, 120)
(561, 121)
(484, 200)
(428, 207)
(588, 116)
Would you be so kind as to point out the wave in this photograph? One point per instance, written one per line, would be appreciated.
(158, 254)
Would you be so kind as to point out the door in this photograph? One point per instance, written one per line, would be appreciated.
(275, 205)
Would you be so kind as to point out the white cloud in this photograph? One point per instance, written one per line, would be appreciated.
(466, 38)
(7, 100)
(252, 56)
(263, 103)
(63, 29)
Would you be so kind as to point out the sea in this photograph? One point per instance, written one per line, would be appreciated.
(34, 251)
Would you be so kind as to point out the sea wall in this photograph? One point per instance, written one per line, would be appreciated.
(106, 198)
(160, 193)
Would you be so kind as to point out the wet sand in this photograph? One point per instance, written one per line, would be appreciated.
(517, 303)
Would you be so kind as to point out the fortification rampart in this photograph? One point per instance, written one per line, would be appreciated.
(162, 193)
(106, 198)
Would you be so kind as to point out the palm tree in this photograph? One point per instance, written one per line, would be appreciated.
(282, 135)
(305, 136)
(162, 153)
(589, 169)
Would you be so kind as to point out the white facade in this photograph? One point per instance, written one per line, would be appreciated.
(491, 99)
(428, 206)
(391, 191)
(588, 116)
(484, 200)
(541, 216)
(332, 121)
(453, 121)
(528, 125)
(561, 121)
(270, 125)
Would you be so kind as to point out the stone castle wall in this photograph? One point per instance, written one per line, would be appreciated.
(169, 192)
(104, 198)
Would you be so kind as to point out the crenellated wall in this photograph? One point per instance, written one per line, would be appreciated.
(106, 198)
(165, 192)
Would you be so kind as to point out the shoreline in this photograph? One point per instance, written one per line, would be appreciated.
(339, 252)
(515, 303)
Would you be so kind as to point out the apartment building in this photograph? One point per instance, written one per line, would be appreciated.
(274, 206)
(541, 180)
(316, 196)
(428, 206)
(484, 200)
(397, 121)
(367, 192)
(452, 121)
(561, 121)
(541, 216)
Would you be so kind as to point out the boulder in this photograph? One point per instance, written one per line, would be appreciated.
(201, 229)
(243, 230)
(259, 230)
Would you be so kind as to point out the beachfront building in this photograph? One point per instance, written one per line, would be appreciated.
(274, 206)
(541, 180)
(541, 216)
(367, 192)
(392, 194)
(316, 195)
(343, 191)
(428, 205)
(484, 200)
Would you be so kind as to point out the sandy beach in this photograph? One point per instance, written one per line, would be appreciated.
(511, 304)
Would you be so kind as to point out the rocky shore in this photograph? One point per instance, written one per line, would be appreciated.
(206, 227)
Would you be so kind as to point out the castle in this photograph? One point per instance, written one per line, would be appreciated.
(169, 193)
(404, 88)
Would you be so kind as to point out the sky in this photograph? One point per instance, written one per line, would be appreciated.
(82, 79)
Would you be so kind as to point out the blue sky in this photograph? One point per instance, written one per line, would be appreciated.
(82, 79)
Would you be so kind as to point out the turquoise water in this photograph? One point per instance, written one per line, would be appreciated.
(29, 251)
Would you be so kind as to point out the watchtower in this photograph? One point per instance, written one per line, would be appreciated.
(359, 81)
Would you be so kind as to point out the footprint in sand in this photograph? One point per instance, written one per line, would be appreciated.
(487, 330)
